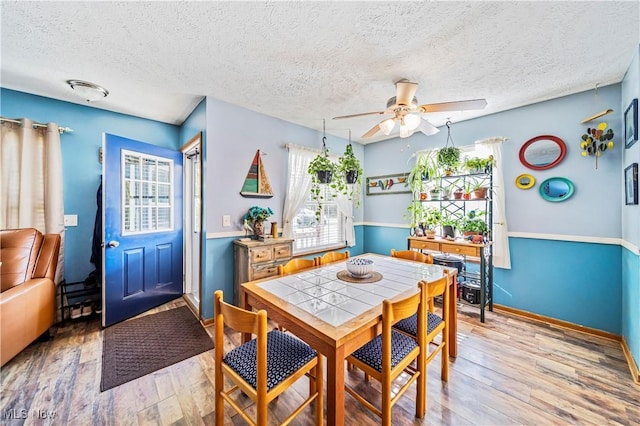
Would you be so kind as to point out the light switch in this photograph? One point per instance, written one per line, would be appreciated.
(226, 220)
(70, 220)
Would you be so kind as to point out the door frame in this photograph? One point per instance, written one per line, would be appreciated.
(194, 142)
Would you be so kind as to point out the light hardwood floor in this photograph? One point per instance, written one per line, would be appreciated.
(508, 371)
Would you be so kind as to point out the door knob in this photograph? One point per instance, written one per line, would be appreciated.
(113, 243)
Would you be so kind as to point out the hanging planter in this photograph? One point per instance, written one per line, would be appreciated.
(449, 156)
(350, 174)
(322, 171)
(349, 165)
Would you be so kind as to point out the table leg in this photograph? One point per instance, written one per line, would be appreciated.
(244, 304)
(453, 318)
(335, 387)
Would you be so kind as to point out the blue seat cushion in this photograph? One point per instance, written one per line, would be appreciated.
(410, 325)
(371, 353)
(285, 356)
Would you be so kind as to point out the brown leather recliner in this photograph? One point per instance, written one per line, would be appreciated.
(28, 262)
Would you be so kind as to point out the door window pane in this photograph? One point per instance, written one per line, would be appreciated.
(147, 193)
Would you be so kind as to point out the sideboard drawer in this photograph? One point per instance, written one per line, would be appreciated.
(282, 251)
(457, 249)
(264, 272)
(256, 260)
(261, 254)
(425, 245)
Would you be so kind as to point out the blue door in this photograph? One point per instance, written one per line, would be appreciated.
(142, 238)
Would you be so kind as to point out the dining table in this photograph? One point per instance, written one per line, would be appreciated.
(336, 313)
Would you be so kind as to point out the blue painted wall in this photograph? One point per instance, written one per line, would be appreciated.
(81, 174)
(570, 281)
(631, 228)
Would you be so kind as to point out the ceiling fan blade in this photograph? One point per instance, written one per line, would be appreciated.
(427, 128)
(454, 106)
(360, 115)
(372, 131)
(405, 91)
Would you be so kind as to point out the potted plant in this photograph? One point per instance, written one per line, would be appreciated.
(449, 223)
(255, 217)
(477, 164)
(426, 168)
(479, 190)
(473, 223)
(322, 168)
(349, 166)
(435, 193)
(432, 219)
(466, 190)
(449, 159)
(349, 174)
(416, 214)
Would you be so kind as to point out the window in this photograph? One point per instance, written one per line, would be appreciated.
(312, 234)
(147, 185)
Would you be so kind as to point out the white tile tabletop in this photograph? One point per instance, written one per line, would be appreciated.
(320, 292)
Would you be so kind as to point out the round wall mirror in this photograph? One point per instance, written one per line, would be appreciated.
(525, 181)
(556, 189)
(542, 152)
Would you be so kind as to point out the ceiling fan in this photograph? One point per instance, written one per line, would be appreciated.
(406, 110)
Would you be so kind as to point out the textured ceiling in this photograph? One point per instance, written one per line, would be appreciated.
(308, 61)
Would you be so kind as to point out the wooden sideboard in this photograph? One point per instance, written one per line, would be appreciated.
(254, 260)
(465, 249)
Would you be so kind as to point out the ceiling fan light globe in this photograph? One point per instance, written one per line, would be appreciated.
(387, 126)
(405, 131)
(412, 121)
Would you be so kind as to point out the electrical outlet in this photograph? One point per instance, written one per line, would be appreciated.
(226, 220)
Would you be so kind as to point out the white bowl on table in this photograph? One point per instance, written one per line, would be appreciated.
(359, 267)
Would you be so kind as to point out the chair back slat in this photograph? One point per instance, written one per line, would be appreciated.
(333, 256)
(295, 265)
(238, 319)
(412, 255)
(394, 311)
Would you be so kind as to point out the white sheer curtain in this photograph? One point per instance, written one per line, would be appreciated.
(345, 204)
(298, 186)
(501, 255)
(31, 181)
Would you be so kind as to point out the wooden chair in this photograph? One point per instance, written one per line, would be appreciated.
(262, 368)
(390, 354)
(412, 255)
(435, 324)
(418, 257)
(333, 256)
(295, 265)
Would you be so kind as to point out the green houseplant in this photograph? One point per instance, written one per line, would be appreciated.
(478, 164)
(449, 223)
(322, 170)
(349, 175)
(425, 168)
(256, 217)
(473, 223)
(449, 159)
(349, 166)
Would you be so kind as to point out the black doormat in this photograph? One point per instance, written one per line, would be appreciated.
(140, 346)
